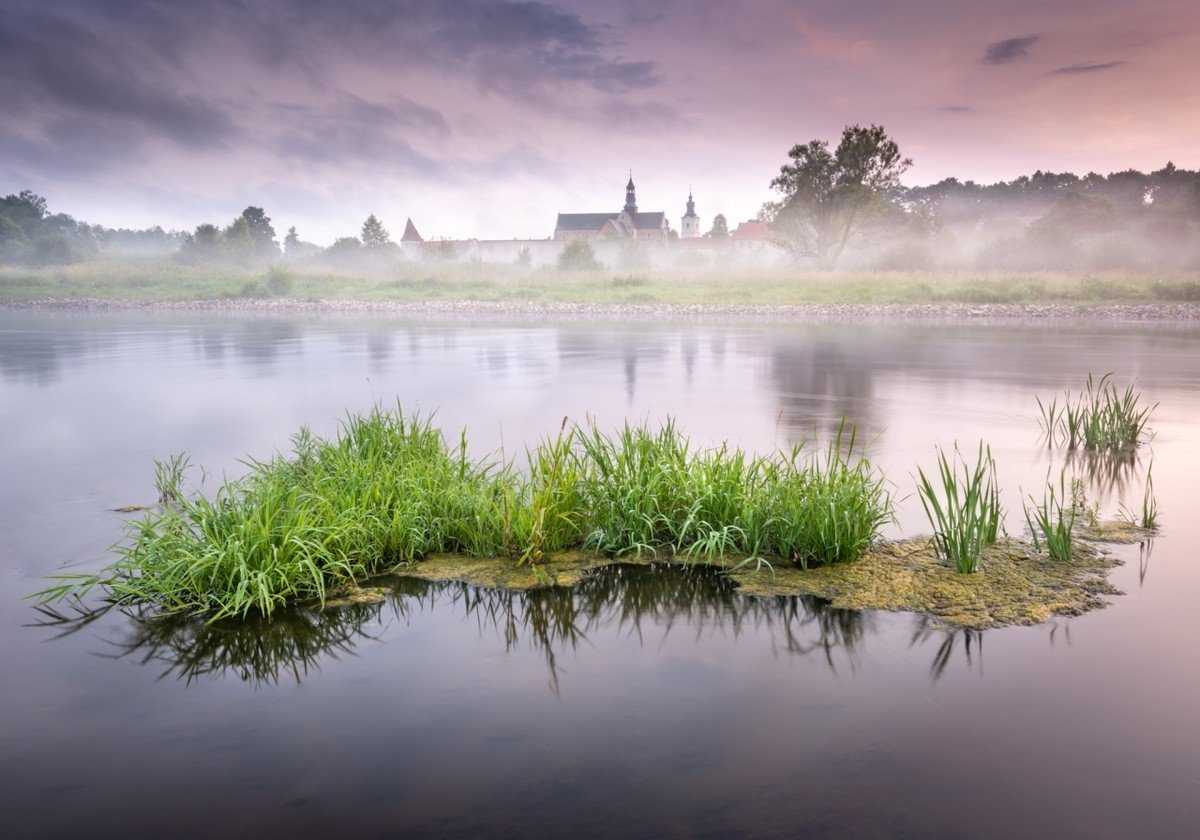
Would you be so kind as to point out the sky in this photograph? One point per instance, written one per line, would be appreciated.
(486, 118)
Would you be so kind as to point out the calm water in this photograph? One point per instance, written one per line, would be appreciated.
(646, 702)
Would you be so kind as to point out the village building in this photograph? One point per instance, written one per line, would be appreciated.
(689, 225)
(411, 241)
(627, 225)
(613, 237)
(752, 237)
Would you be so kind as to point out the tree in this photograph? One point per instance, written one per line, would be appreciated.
(12, 240)
(374, 235)
(237, 241)
(345, 245)
(720, 228)
(830, 197)
(262, 235)
(578, 256)
(291, 242)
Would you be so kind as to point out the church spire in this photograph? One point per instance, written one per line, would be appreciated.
(630, 196)
(690, 223)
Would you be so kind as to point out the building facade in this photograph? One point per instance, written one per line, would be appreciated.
(689, 225)
(628, 224)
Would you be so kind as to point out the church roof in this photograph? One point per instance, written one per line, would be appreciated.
(410, 233)
(595, 221)
(583, 221)
(751, 230)
(650, 221)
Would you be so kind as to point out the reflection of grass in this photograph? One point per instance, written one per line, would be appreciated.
(163, 279)
(628, 599)
(389, 490)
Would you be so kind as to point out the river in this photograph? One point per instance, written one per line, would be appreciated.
(645, 702)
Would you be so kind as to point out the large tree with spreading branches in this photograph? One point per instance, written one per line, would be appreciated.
(828, 198)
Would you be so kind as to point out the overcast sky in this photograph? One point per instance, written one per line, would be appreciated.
(485, 118)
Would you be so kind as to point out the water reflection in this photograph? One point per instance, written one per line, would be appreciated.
(256, 650)
(1107, 472)
(948, 640)
(648, 603)
(820, 382)
(38, 357)
(1145, 550)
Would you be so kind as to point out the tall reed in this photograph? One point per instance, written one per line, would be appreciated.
(1099, 417)
(1052, 521)
(1148, 516)
(964, 509)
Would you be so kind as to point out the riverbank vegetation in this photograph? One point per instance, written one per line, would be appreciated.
(163, 279)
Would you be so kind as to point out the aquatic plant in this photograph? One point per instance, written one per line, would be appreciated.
(1089, 509)
(1099, 417)
(1148, 517)
(647, 491)
(965, 510)
(388, 490)
(1052, 521)
(168, 477)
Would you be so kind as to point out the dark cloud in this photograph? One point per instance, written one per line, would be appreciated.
(133, 72)
(512, 47)
(1010, 49)
(54, 67)
(357, 130)
(328, 142)
(1085, 68)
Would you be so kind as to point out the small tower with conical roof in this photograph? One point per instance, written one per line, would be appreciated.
(630, 198)
(410, 242)
(690, 224)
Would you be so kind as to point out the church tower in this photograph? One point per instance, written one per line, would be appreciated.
(630, 198)
(690, 225)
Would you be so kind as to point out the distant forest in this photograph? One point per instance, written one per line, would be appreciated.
(1053, 221)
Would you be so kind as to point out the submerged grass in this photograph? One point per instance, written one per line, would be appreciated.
(389, 490)
(1099, 417)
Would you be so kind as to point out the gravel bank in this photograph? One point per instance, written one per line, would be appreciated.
(641, 312)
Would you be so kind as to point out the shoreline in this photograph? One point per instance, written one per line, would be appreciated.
(844, 312)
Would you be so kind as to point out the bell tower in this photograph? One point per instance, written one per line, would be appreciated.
(690, 224)
(630, 197)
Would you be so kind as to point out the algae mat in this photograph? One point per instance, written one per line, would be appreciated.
(1015, 585)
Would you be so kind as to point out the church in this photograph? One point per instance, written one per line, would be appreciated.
(629, 224)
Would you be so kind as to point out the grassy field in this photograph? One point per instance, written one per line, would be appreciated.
(163, 279)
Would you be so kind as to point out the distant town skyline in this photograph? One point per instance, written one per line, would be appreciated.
(487, 118)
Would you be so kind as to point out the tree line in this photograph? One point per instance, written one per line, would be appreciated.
(833, 205)
(31, 235)
(849, 198)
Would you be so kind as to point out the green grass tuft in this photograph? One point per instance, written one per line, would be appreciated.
(388, 490)
(1100, 417)
(1052, 522)
(965, 510)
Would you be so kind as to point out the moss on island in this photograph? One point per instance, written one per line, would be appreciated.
(1015, 585)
